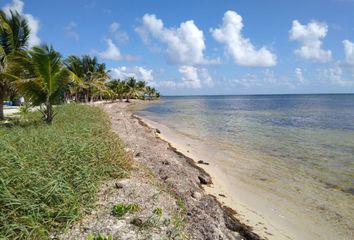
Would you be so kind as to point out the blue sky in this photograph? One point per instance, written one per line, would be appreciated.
(206, 47)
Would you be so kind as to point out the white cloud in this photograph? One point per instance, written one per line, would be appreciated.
(247, 81)
(190, 76)
(185, 44)
(207, 79)
(267, 79)
(310, 37)
(338, 74)
(70, 31)
(349, 52)
(140, 73)
(299, 76)
(168, 84)
(341, 73)
(112, 52)
(114, 27)
(238, 47)
(119, 35)
(15, 5)
(33, 23)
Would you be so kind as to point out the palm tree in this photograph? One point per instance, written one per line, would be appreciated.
(87, 75)
(14, 34)
(141, 85)
(118, 88)
(132, 88)
(151, 92)
(40, 75)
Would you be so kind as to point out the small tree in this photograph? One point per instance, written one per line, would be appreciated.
(39, 74)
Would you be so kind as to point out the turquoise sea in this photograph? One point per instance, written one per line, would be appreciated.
(297, 147)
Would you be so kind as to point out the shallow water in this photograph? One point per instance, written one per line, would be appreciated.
(298, 148)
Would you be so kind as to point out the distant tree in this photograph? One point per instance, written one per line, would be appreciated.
(118, 88)
(87, 77)
(131, 88)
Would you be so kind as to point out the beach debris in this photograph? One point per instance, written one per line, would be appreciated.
(157, 130)
(165, 162)
(138, 154)
(202, 162)
(119, 185)
(204, 179)
(222, 195)
(196, 195)
(164, 178)
(137, 222)
(349, 190)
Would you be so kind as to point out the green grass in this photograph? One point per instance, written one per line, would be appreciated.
(121, 209)
(49, 175)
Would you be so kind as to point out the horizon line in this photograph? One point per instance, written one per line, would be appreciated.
(256, 94)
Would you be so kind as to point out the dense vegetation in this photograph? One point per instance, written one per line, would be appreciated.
(45, 78)
(49, 174)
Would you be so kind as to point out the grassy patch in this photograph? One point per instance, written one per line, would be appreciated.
(99, 237)
(121, 209)
(49, 175)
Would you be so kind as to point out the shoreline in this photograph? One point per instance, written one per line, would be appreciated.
(222, 200)
(217, 189)
(208, 216)
(268, 215)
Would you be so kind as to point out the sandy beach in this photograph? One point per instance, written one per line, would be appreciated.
(208, 218)
(159, 168)
(217, 207)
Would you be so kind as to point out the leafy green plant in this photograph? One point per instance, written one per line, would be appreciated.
(157, 212)
(121, 209)
(99, 237)
(14, 34)
(25, 109)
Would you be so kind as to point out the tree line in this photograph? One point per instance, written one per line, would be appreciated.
(45, 78)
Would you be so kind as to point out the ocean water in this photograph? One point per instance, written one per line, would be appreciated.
(298, 148)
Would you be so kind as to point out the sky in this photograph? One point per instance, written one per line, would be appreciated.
(198, 47)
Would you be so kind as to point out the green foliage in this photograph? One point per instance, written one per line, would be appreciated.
(25, 109)
(39, 74)
(87, 77)
(178, 226)
(49, 175)
(157, 211)
(99, 237)
(14, 34)
(131, 88)
(121, 209)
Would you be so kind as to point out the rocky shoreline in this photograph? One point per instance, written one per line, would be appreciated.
(177, 176)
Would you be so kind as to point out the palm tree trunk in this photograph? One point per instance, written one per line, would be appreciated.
(86, 98)
(48, 113)
(1, 106)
